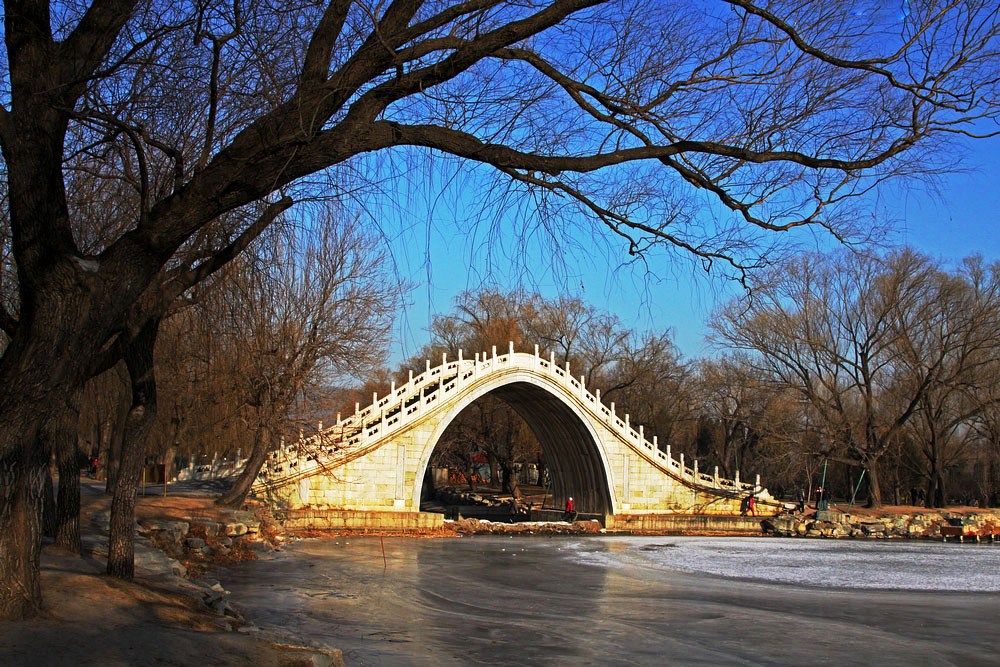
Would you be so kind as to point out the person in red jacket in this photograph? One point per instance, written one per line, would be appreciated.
(570, 513)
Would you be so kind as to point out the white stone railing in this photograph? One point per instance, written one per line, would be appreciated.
(363, 431)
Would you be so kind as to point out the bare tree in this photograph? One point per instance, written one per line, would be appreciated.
(951, 350)
(735, 398)
(986, 455)
(620, 110)
(747, 422)
(830, 328)
(646, 376)
(318, 307)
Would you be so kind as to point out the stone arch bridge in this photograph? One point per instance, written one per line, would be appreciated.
(366, 471)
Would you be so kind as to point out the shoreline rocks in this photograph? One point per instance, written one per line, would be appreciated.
(931, 524)
(482, 527)
(179, 549)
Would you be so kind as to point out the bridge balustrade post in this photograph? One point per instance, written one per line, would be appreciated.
(552, 363)
(569, 378)
(656, 442)
(696, 471)
(494, 353)
(612, 406)
(428, 361)
(319, 427)
(392, 388)
(535, 362)
(737, 480)
(444, 358)
(682, 464)
(583, 388)
(627, 425)
(510, 349)
(597, 395)
(668, 453)
(475, 368)
(338, 419)
(374, 398)
(357, 408)
(716, 475)
(460, 357)
(642, 437)
(756, 484)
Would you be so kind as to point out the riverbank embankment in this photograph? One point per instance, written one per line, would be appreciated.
(173, 612)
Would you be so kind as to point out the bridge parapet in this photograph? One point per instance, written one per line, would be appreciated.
(386, 417)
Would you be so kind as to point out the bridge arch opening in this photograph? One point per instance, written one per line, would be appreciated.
(573, 458)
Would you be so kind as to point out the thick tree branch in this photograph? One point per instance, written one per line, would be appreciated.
(83, 52)
(467, 145)
(316, 66)
(183, 278)
(162, 295)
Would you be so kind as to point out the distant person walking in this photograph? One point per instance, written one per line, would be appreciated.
(751, 505)
(570, 513)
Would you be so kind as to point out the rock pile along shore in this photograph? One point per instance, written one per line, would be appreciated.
(168, 547)
(938, 525)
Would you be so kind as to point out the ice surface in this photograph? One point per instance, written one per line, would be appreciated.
(868, 564)
(557, 601)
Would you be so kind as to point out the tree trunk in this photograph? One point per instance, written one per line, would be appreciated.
(31, 383)
(874, 488)
(68, 500)
(238, 492)
(49, 506)
(62, 434)
(494, 470)
(116, 436)
(469, 472)
(139, 362)
(22, 480)
(44, 364)
(169, 459)
(510, 484)
(541, 473)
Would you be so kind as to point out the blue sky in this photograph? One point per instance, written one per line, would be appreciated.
(439, 242)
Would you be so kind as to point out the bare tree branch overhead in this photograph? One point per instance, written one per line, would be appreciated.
(144, 139)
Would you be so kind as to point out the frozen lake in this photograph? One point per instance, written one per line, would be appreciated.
(916, 566)
(632, 601)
